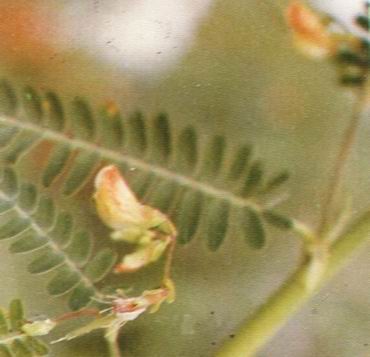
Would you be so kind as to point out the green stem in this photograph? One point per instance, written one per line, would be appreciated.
(113, 346)
(292, 295)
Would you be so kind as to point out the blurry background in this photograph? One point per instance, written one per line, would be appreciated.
(228, 67)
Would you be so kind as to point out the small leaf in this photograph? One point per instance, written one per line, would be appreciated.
(4, 328)
(32, 105)
(347, 56)
(254, 178)
(142, 183)
(188, 215)
(23, 143)
(62, 230)
(80, 297)
(13, 226)
(29, 241)
(45, 213)
(82, 120)
(240, 162)
(137, 141)
(253, 228)
(64, 281)
(161, 138)
(163, 195)
(352, 80)
(9, 184)
(363, 22)
(277, 181)
(213, 157)
(80, 247)
(111, 132)
(27, 197)
(16, 314)
(83, 168)
(54, 114)
(45, 263)
(278, 220)
(56, 163)
(187, 150)
(100, 265)
(217, 223)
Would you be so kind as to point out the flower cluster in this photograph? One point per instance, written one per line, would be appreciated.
(153, 234)
(319, 37)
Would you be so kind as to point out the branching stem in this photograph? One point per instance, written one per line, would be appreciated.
(292, 295)
(269, 318)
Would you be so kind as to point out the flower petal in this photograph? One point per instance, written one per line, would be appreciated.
(143, 256)
(116, 204)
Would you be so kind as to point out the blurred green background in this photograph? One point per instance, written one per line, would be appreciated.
(240, 77)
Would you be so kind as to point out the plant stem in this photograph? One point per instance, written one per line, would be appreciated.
(113, 347)
(77, 314)
(169, 259)
(269, 318)
(342, 157)
(292, 295)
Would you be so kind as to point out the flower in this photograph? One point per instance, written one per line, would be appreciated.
(119, 208)
(331, 37)
(310, 34)
(130, 308)
(116, 204)
(131, 221)
(122, 310)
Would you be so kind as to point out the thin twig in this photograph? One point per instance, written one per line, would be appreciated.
(169, 259)
(348, 141)
(77, 314)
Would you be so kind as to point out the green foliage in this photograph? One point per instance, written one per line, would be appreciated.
(184, 174)
(206, 187)
(33, 224)
(13, 341)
